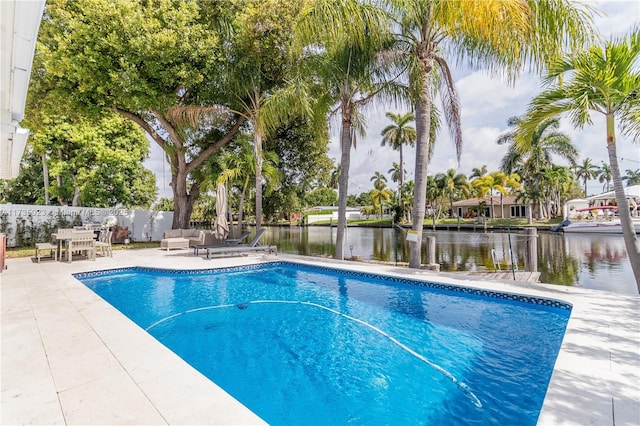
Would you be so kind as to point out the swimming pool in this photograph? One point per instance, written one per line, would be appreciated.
(300, 344)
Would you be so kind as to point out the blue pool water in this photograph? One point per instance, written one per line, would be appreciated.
(300, 344)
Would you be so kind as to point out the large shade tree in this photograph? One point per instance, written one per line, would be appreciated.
(154, 63)
(495, 34)
(604, 79)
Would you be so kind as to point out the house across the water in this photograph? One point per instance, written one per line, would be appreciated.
(507, 207)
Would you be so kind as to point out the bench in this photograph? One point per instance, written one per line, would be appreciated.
(40, 247)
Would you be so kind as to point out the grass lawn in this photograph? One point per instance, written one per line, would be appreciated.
(13, 253)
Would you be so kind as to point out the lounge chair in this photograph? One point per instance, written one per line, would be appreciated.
(212, 242)
(252, 246)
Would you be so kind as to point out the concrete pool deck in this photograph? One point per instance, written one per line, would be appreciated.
(68, 357)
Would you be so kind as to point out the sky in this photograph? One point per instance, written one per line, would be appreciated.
(487, 102)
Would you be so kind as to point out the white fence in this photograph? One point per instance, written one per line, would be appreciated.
(144, 225)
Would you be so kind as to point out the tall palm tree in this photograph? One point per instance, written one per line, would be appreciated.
(399, 134)
(530, 159)
(586, 171)
(603, 79)
(604, 176)
(352, 74)
(499, 35)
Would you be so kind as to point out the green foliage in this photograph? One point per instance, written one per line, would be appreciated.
(163, 204)
(92, 161)
(205, 209)
(28, 186)
(321, 197)
(5, 227)
(126, 53)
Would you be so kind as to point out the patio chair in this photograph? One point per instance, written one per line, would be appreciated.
(252, 246)
(81, 241)
(61, 236)
(104, 242)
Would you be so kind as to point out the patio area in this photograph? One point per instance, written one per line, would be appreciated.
(68, 357)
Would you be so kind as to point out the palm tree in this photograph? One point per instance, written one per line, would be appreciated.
(478, 173)
(406, 199)
(378, 198)
(499, 182)
(351, 74)
(398, 134)
(632, 177)
(557, 181)
(586, 171)
(239, 167)
(499, 35)
(604, 176)
(433, 194)
(396, 173)
(452, 185)
(530, 159)
(379, 181)
(603, 79)
(334, 179)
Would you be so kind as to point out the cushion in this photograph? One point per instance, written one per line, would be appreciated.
(173, 233)
(190, 233)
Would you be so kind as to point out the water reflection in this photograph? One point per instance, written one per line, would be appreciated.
(592, 261)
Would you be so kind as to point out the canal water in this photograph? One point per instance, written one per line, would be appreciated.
(581, 260)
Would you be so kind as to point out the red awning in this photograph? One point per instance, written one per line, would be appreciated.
(586, 209)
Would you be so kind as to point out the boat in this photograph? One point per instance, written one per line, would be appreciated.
(595, 226)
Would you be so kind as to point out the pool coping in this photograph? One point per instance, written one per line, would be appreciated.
(61, 344)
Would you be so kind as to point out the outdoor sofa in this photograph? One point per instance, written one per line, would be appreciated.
(195, 236)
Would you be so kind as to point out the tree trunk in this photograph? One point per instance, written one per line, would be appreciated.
(241, 206)
(183, 200)
(76, 192)
(493, 216)
(405, 214)
(258, 154)
(343, 185)
(45, 174)
(61, 199)
(630, 239)
(401, 166)
(423, 124)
